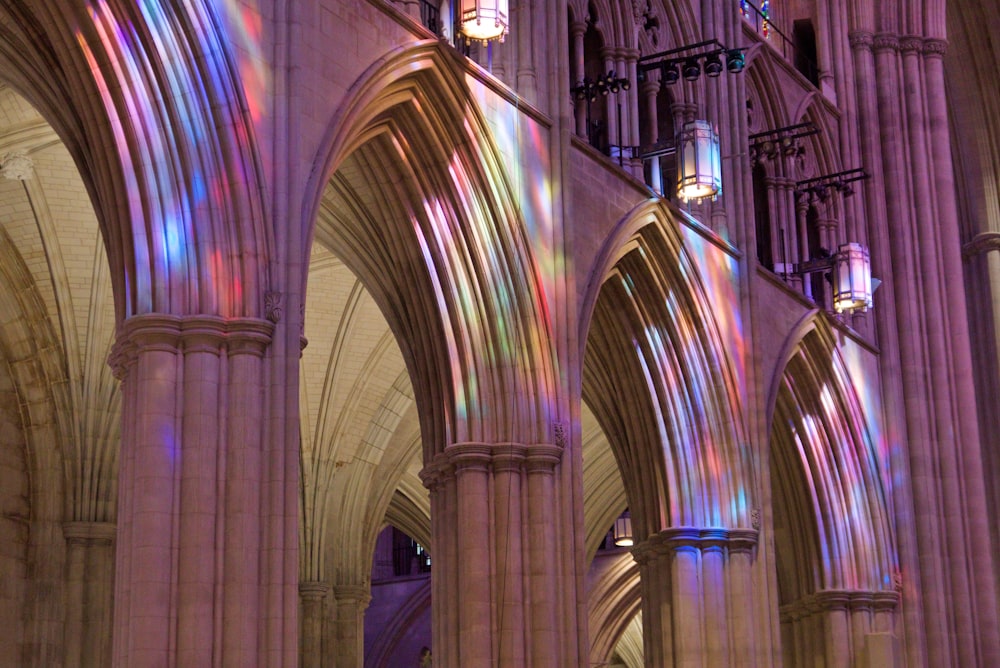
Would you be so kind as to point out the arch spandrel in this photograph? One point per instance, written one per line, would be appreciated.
(662, 376)
(419, 202)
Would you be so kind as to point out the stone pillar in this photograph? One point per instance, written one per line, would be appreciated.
(692, 615)
(840, 628)
(350, 601)
(526, 38)
(496, 586)
(89, 592)
(577, 30)
(200, 536)
(312, 595)
(649, 135)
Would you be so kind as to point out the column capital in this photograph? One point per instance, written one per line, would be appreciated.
(358, 594)
(885, 600)
(194, 333)
(650, 86)
(469, 455)
(543, 458)
(508, 457)
(885, 41)
(313, 590)
(861, 40)
(911, 44)
(673, 539)
(828, 600)
(935, 48)
(89, 533)
(984, 242)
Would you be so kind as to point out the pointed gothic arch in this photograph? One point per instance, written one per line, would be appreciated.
(834, 541)
(177, 201)
(653, 335)
(421, 207)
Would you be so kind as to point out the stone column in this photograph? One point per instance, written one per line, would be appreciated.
(312, 595)
(197, 530)
(526, 38)
(649, 135)
(577, 30)
(496, 589)
(691, 615)
(839, 628)
(351, 601)
(89, 596)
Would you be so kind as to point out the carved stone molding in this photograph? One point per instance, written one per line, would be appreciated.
(935, 47)
(886, 42)
(981, 243)
(561, 434)
(358, 594)
(911, 44)
(861, 39)
(537, 458)
(273, 306)
(692, 538)
(839, 599)
(176, 334)
(17, 166)
(313, 590)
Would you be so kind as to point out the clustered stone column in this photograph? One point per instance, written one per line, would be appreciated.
(905, 141)
(842, 628)
(312, 595)
(495, 585)
(199, 542)
(696, 584)
(349, 605)
(89, 592)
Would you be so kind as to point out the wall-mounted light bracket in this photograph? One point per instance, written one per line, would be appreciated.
(820, 186)
(589, 89)
(691, 60)
(769, 144)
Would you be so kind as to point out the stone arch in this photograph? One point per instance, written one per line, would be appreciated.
(834, 542)
(823, 434)
(422, 209)
(614, 601)
(29, 349)
(653, 335)
(178, 203)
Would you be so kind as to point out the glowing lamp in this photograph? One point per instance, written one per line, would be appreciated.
(852, 279)
(484, 19)
(699, 173)
(623, 530)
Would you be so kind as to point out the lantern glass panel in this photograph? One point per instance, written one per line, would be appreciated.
(700, 173)
(852, 279)
(484, 19)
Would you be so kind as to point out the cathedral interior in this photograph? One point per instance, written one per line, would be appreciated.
(399, 333)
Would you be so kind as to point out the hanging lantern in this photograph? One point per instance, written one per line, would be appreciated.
(699, 173)
(484, 19)
(852, 279)
(623, 530)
